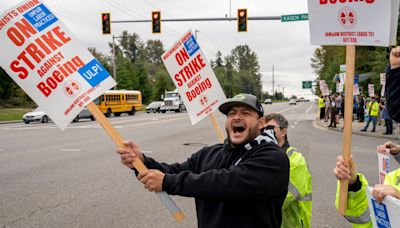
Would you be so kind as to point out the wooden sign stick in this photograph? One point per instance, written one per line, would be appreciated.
(348, 118)
(217, 128)
(138, 164)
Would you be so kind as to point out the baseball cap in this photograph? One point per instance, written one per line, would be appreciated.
(242, 99)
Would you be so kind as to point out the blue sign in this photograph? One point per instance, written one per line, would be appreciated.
(381, 214)
(191, 45)
(94, 72)
(356, 79)
(40, 17)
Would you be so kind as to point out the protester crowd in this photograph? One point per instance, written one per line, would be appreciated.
(371, 110)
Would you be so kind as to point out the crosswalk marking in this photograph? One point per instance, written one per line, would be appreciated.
(70, 150)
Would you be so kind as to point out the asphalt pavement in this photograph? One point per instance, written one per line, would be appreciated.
(73, 178)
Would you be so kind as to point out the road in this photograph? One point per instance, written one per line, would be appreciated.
(73, 178)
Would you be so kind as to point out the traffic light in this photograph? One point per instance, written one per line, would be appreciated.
(242, 20)
(156, 21)
(106, 23)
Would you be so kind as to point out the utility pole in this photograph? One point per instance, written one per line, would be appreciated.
(277, 91)
(113, 59)
(283, 92)
(195, 33)
(273, 81)
(262, 91)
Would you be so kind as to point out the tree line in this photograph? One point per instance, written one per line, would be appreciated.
(139, 67)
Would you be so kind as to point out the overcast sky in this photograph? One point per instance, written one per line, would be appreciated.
(284, 45)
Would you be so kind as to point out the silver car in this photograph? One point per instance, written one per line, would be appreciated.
(36, 115)
(84, 114)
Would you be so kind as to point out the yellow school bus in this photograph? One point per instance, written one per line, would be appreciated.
(119, 101)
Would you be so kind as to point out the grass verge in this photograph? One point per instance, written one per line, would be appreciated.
(13, 113)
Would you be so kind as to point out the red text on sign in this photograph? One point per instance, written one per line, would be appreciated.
(200, 87)
(190, 70)
(323, 2)
(182, 56)
(36, 51)
(62, 72)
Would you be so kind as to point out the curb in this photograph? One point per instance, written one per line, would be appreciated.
(339, 129)
(11, 121)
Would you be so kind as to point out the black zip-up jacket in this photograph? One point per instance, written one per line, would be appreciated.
(392, 93)
(232, 187)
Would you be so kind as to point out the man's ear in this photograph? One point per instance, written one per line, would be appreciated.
(262, 121)
(284, 131)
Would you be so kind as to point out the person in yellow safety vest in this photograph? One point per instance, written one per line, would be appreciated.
(357, 211)
(297, 207)
(373, 111)
(321, 106)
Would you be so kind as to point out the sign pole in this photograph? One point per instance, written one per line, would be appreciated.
(138, 164)
(348, 118)
(217, 128)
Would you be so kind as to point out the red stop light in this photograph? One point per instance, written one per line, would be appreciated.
(106, 23)
(242, 20)
(156, 21)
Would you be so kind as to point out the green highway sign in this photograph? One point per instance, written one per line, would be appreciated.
(294, 17)
(307, 84)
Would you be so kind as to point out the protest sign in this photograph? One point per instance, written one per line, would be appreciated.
(371, 90)
(342, 77)
(383, 162)
(48, 62)
(193, 77)
(324, 88)
(394, 21)
(385, 214)
(383, 83)
(351, 23)
(382, 77)
(370, 22)
(356, 90)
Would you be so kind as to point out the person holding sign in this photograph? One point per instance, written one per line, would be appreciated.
(240, 183)
(297, 207)
(357, 211)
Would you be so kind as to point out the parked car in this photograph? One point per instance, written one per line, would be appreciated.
(292, 102)
(268, 101)
(154, 106)
(36, 115)
(84, 114)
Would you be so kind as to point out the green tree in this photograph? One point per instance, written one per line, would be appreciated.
(132, 46)
(154, 49)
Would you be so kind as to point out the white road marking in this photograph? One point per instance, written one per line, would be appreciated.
(70, 150)
(309, 109)
(296, 122)
(292, 126)
(288, 109)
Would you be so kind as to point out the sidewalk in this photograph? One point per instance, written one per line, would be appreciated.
(357, 126)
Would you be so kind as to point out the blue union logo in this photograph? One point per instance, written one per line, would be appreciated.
(191, 45)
